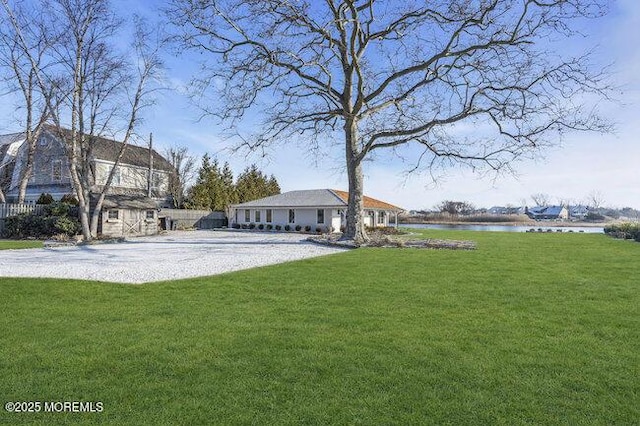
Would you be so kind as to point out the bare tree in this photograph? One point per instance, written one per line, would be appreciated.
(383, 74)
(106, 92)
(20, 77)
(595, 199)
(541, 199)
(456, 208)
(184, 166)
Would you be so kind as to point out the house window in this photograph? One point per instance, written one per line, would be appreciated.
(257, 214)
(113, 214)
(156, 182)
(56, 170)
(381, 218)
(247, 215)
(151, 214)
(320, 216)
(269, 216)
(117, 176)
(292, 216)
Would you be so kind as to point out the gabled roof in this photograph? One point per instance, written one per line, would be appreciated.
(311, 198)
(107, 150)
(11, 138)
(369, 203)
(579, 209)
(126, 202)
(545, 210)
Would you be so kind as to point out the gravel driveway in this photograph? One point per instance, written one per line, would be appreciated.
(178, 254)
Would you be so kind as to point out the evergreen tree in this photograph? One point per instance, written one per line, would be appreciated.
(205, 193)
(273, 187)
(215, 189)
(228, 187)
(253, 184)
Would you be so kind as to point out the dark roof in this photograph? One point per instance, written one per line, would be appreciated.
(314, 198)
(546, 211)
(107, 150)
(126, 202)
(11, 138)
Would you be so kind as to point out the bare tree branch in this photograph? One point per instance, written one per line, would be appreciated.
(385, 74)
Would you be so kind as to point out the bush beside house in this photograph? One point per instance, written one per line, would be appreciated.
(56, 220)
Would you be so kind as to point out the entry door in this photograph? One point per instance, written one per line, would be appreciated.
(132, 222)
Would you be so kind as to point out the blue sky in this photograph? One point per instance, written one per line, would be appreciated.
(609, 164)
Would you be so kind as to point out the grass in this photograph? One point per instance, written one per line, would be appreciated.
(19, 244)
(527, 329)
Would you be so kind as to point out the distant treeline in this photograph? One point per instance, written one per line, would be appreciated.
(471, 218)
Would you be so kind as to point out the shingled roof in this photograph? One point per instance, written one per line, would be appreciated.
(369, 203)
(107, 150)
(311, 198)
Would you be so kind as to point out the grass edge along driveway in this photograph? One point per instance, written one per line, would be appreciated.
(527, 329)
(19, 244)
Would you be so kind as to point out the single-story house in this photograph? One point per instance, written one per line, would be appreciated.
(499, 210)
(547, 212)
(578, 212)
(316, 208)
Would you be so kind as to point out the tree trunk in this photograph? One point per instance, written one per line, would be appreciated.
(24, 179)
(25, 174)
(28, 168)
(355, 230)
(95, 216)
(84, 200)
(95, 220)
(84, 220)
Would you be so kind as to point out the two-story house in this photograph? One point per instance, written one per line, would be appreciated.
(140, 186)
(51, 168)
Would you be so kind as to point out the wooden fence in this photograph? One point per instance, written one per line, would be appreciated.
(201, 219)
(9, 210)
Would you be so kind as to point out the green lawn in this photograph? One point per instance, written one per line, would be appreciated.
(527, 329)
(19, 244)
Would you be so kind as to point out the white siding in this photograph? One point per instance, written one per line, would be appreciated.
(306, 217)
(309, 217)
(336, 220)
(131, 176)
(303, 217)
(280, 216)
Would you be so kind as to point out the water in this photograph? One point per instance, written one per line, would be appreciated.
(505, 228)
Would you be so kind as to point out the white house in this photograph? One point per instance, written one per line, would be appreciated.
(548, 213)
(318, 209)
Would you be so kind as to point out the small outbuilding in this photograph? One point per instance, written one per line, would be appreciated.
(317, 209)
(127, 216)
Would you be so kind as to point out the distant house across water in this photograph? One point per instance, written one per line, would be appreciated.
(548, 213)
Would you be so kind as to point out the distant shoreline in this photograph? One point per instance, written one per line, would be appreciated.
(533, 224)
